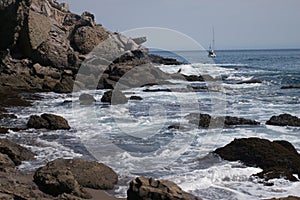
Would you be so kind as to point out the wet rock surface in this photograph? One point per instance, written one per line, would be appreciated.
(207, 121)
(277, 158)
(86, 99)
(143, 188)
(48, 121)
(114, 97)
(284, 120)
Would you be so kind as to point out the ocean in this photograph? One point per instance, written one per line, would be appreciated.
(134, 138)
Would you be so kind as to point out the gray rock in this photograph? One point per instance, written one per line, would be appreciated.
(143, 188)
(140, 40)
(86, 99)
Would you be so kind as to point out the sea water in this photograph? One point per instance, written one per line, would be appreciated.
(134, 138)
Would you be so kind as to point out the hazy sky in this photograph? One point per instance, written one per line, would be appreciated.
(238, 24)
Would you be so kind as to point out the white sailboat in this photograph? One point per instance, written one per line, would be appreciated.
(211, 51)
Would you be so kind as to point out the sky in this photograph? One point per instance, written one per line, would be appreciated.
(238, 24)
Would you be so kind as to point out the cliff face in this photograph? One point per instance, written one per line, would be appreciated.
(43, 45)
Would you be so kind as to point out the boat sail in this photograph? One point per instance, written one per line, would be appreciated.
(211, 51)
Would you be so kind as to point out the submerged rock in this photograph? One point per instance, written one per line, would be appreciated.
(275, 158)
(291, 87)
(48, 121)
(284, 120)
(136, 98)
(143, 188)
(252, 81)
(114, 97)
(286, 198)
(86, 99)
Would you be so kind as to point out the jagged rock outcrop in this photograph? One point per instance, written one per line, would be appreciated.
(277, 158)
(143, 188)
(48, 121)
(45, 47)
(284, 120)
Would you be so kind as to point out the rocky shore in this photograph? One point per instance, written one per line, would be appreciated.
(46, 48)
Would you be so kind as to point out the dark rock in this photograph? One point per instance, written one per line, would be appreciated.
(286, 145)
(37, 122)
(143, 188)
(230, 121)
(261, 153)
(250, 81)
(276, 173)
(3, 130)
(55, 181)
(165, 61)
(291, 87)
(15, 152)
(48, 121)
(193, 78)
(286, 198)
(137, 98)
(284, 120)
(177, 127)
(114, 97)
(6, 115)
(86, 99)
(70, 176)
(205, 121)
(157, 90)
(65, 85)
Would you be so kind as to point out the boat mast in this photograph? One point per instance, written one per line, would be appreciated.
(213, 41)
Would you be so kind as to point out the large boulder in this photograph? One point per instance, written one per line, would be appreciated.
(88, 174)
(56, 181)
(278, 157)
(86, 38)
(15, 152)
(71, 175)
(143, 188)
(48, 121)
(284, 120)
(114, 97)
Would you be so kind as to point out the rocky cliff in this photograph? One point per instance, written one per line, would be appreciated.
(43, 45)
